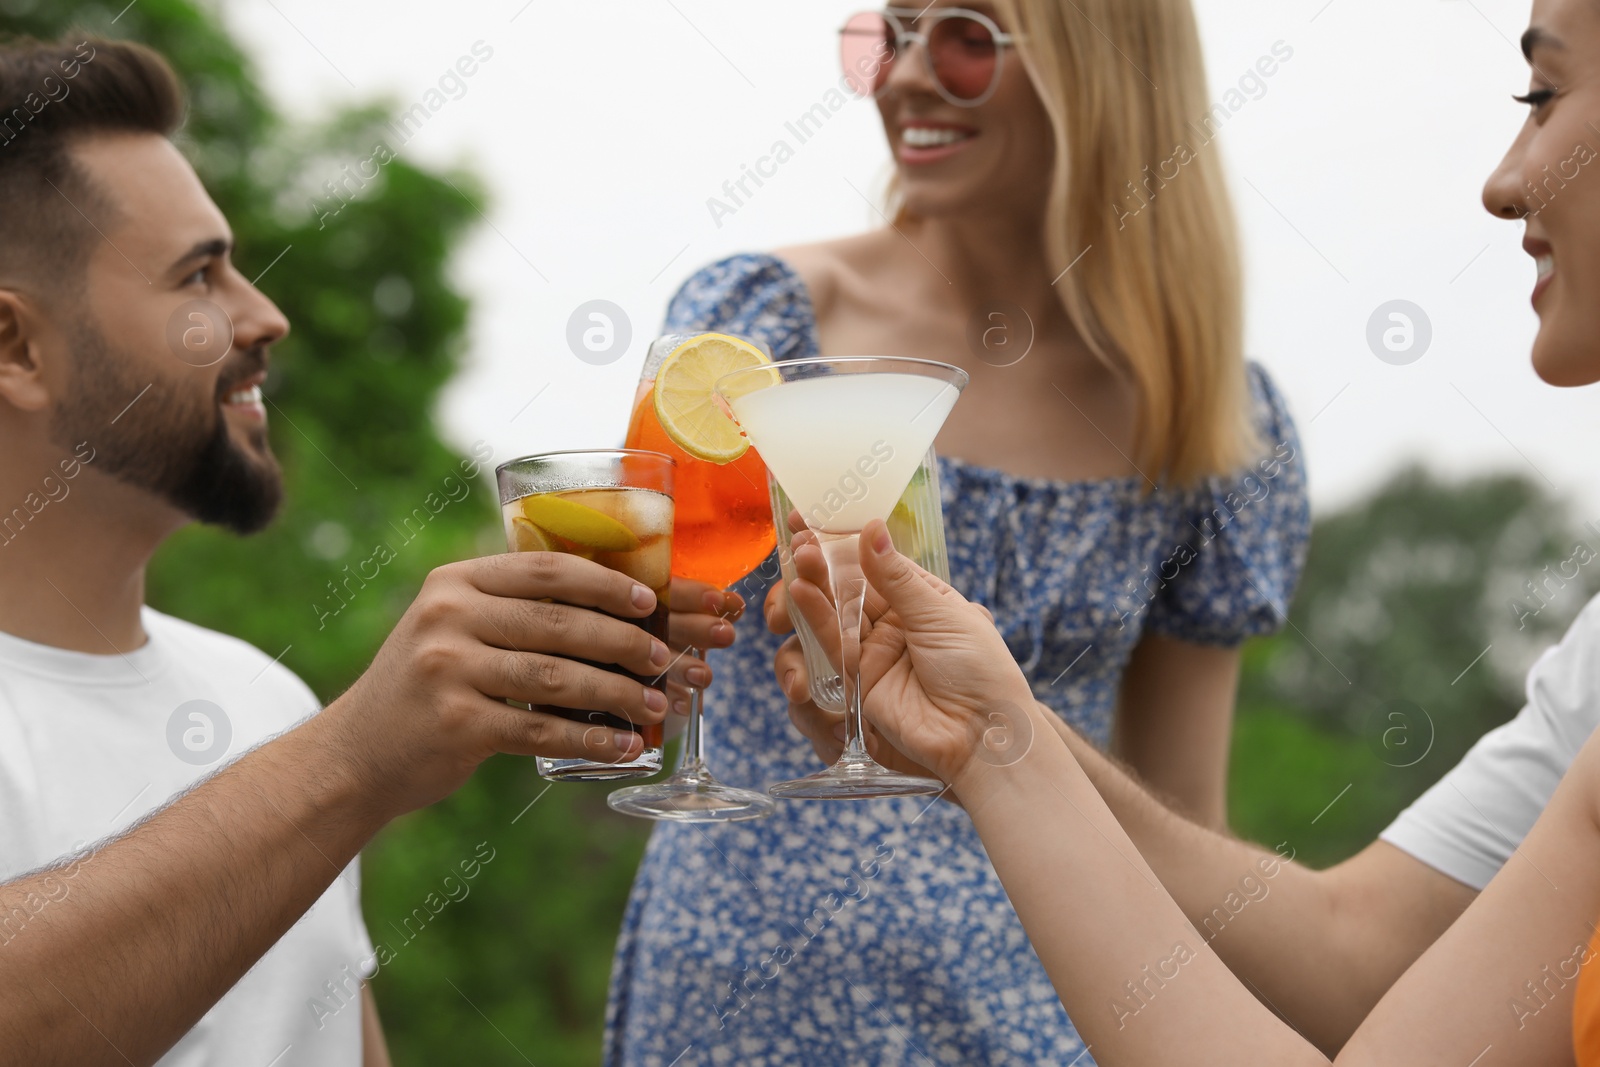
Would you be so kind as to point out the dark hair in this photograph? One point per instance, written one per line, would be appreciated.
(53, 93)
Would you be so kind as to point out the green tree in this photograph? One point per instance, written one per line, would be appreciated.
(377, 331)
(1406, 645)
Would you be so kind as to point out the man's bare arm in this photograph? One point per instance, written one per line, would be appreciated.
(119, 951)
(134, 942)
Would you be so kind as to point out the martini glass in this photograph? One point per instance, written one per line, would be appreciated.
(721, 531)
(843, 437)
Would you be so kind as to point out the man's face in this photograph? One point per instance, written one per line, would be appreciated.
(152, 380)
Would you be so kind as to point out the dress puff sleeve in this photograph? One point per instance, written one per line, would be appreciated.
(751, 295)
(1243, 539)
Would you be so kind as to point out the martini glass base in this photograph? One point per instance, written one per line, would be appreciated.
(865, 780)
(691, 800)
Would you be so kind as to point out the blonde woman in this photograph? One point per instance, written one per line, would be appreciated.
(1127, 498)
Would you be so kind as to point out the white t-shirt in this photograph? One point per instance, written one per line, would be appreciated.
(1469, 823)
(90, 744)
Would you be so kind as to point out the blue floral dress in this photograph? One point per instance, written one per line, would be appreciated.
(877, 932)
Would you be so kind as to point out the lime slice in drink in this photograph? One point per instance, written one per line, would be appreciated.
(577, 523)
(906, 530)
(685, 400)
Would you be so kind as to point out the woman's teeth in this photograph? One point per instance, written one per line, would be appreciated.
(251, 395)
(1546, 265)
(925, 137)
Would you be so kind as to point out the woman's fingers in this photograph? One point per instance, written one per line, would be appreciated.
(776, 609)
(702, 616)
(812, 565)
(809, 562)
(915, 595)
(815, 607)
(814, 724)
(698, 630)
(818, 727)
(687, 672)
(688, 595)
(790, 667)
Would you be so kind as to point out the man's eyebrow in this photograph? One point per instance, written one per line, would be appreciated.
(207, 249)
(1538, 38)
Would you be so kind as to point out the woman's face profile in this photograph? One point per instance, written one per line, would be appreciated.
(1551, 178)
(955, 160)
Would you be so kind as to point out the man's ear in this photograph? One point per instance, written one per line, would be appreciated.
(22, 377)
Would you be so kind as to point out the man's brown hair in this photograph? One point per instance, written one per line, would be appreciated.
(53, 93)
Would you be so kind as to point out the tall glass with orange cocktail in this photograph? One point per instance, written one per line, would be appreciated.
(722, 530)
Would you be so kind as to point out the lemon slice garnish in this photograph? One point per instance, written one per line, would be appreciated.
(577, 523)
(528, 537)
(686, 403)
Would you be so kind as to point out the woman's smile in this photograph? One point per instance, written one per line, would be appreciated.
(924, 141)
(1544, 262)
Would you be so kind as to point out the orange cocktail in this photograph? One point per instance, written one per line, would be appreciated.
(722, 528)
(721, 531)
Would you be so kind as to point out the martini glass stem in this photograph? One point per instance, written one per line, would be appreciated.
(843, 553)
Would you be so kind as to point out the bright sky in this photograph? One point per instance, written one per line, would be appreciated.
(602, 128)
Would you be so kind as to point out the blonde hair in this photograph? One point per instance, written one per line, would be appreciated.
(1159, 295)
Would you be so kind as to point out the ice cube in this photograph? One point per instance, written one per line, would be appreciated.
(649, 565)
(650, 513)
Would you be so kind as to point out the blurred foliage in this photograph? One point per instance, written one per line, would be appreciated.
(1405, 647)
(1402, 593)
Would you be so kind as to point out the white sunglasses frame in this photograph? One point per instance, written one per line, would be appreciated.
(904, 38)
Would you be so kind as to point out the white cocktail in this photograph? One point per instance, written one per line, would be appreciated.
(843, 438)
(917, 526)
(844, 446)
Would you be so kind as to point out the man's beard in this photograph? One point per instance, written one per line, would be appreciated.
(167, 444)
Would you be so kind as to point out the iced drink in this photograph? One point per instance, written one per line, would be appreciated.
(627, 528)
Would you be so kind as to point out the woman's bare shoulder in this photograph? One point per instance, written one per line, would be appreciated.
(831, 267)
